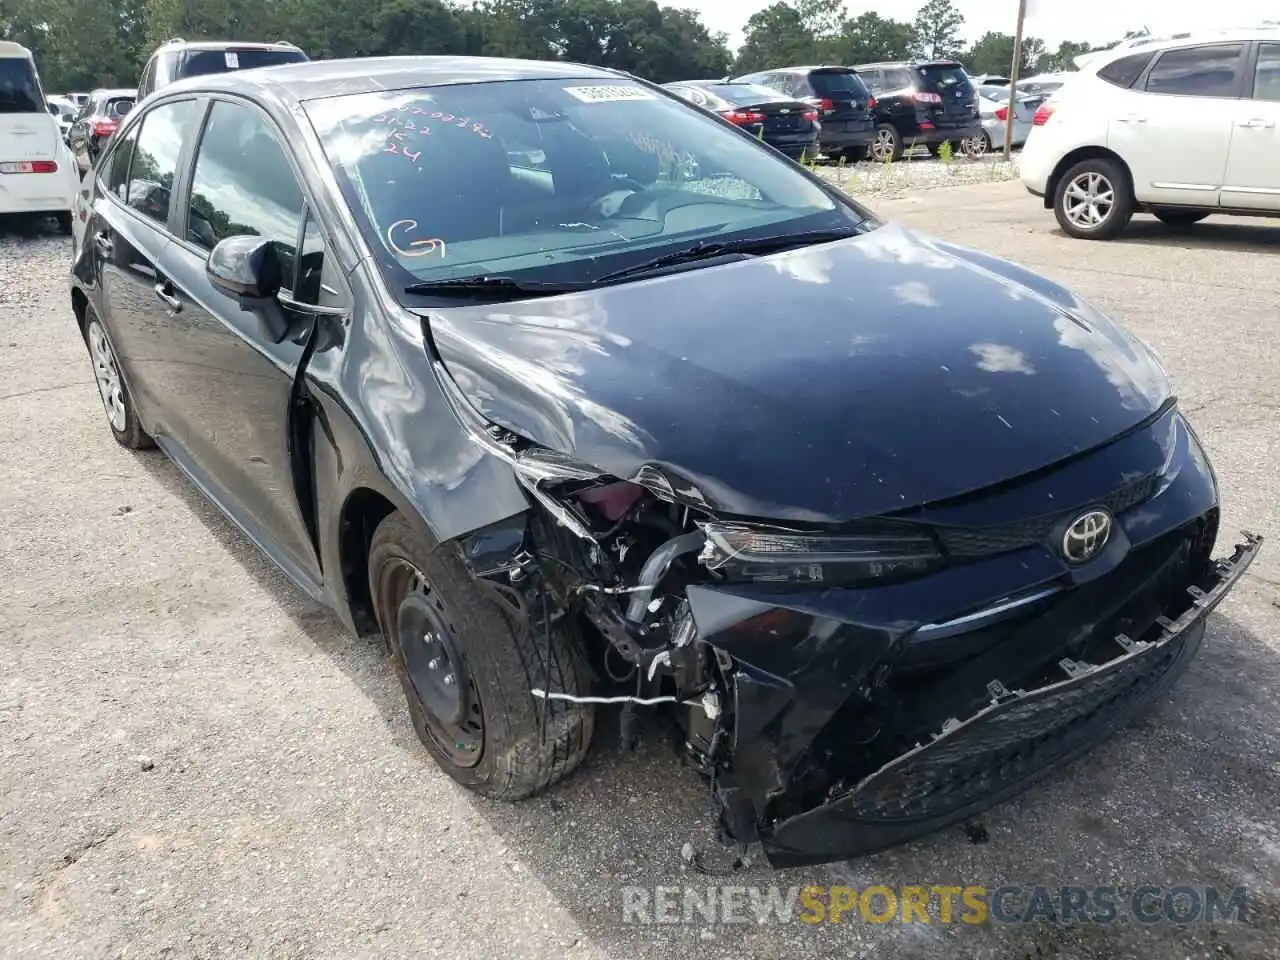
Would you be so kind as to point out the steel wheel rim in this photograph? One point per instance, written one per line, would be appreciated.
(883, 147)
(107, 375)
(1088, 201)
(434, 667)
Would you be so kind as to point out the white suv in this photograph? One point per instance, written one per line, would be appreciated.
(37, 171)
(1180, 128)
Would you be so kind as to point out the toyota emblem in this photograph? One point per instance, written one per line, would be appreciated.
(1086, 535)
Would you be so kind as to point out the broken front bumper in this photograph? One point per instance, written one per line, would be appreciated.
(969, 764)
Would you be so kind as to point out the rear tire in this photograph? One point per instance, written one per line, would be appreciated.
(887, 146)
(122, 418)
(1094, 199)
(482, 726)
(1180, 218)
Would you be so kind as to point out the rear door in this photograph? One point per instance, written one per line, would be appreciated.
(31, 178)
(843, 100)
(127, 234)
(1252, 180)
(27, 130)
(1174, 127)
(951, 100)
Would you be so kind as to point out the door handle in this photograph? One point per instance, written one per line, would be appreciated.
(1257, 124)
(103, 243)
(162, 291)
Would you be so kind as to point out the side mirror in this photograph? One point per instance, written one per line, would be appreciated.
(247, 269)
(53, 108)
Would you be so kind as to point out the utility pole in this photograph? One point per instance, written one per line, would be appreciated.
(1013, 79)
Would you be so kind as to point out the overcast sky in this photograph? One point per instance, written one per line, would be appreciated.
(1053, 21)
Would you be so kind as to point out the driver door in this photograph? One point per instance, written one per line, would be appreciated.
(238, 383)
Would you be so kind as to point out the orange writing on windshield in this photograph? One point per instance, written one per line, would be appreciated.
(407, 247)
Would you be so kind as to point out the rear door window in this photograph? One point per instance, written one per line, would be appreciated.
(203, 62)
(1266, 81)
(20, 87)
(838, 84)
(1125, 71)
(155, 163)
(1208, 71)
(898, 79)
(944, 77)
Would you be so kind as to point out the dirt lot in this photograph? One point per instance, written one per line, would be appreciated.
(197, 762)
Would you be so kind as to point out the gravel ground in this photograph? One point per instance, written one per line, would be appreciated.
(197, 761)
(921, 172)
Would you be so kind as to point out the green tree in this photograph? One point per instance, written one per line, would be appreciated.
(775, 37)
(937, 30)
(871, 38)
(1064, 58)
(993, 53)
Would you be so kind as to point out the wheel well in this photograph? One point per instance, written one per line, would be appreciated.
(1074, 157)
(361, 514)
(80, 306)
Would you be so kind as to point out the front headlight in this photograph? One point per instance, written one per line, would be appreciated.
(744, 551)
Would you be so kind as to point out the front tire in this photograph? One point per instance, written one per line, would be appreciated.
(467, 660)
(112, 390)
(1094, 199)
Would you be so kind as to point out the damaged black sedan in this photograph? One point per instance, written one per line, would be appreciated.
(578, 395)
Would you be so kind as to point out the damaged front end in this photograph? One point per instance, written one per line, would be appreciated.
(849, 688)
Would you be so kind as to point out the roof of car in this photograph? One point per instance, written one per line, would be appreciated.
(9, 50)
(908, 63)
(1096, 59)
(109, 92)
(313, 79)
(224, 44)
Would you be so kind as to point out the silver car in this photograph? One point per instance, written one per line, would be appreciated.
(993, 105)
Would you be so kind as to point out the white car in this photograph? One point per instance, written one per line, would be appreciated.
(1180, 128)
(37, 171)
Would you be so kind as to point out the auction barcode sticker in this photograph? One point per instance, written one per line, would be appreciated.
(605, 93)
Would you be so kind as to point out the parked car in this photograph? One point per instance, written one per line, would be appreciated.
(926, 103)
(36, 169)
(1179, 128)
(993, 107)
(786, 124)
(179, 58)
(890, 527)
(97, 123)
(989, 80)
(1044, 84)
(64, 111)
(843, 103)
(79, 99)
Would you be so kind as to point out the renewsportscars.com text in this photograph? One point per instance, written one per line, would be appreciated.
(934, 904)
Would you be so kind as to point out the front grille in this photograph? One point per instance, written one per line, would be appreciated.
(969, 543)
(1009, 746)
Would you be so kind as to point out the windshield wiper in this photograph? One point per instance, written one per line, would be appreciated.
(708, 250)
(495, 286)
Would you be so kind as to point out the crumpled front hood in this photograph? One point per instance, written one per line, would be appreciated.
(821, 384)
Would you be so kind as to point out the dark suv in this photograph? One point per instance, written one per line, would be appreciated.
(927, 103)
(178, 59)
(843, 102)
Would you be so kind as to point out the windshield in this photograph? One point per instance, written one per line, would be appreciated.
(553, 180)
(19, 87)
(944, 75)
(737, 93)
(202, 62)
(118, 106)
